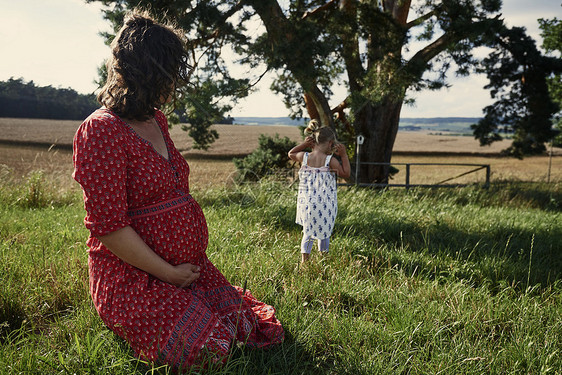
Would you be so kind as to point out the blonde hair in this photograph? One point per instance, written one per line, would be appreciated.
(321, 134)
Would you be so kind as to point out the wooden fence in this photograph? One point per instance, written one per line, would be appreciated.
(407, 184)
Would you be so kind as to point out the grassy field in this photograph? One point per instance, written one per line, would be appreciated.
(446, 281)
(456, 281)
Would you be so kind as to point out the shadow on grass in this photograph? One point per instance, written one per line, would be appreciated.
(290, 357)
(541, 196)
(503, 255)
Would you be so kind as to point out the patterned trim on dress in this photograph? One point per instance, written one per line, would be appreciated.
(307, 168)
(186, 339)
(159, 207)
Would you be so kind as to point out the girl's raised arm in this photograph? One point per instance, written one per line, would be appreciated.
(297, 152)
(343, 169)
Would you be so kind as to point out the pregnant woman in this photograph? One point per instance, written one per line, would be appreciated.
(150, 279)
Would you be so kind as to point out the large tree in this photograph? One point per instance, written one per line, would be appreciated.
(551, 31)
(519, 74)
(379, 49)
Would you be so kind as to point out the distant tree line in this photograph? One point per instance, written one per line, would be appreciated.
(228, 120)
(26, 100)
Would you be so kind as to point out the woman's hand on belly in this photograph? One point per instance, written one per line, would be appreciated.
(126, 244)
(183, 274)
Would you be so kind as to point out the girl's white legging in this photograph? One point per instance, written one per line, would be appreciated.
(307, 242)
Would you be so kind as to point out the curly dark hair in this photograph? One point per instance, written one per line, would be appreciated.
(149, 61)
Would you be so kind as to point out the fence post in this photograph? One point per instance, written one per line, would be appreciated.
(487, 184)
(407, 176)
(550, 161)
(360, 140)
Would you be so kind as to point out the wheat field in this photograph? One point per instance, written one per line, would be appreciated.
(31, 138)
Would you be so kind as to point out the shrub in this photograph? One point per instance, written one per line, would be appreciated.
(270, 155)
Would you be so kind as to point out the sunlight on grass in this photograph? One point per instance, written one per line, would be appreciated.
(423, 281)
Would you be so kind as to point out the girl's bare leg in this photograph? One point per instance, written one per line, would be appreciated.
(306, 247)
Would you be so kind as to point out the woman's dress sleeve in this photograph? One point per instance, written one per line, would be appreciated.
(100, 167)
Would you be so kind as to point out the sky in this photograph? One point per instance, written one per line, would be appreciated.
(57, 43)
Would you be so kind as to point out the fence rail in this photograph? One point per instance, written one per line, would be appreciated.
(407, 183)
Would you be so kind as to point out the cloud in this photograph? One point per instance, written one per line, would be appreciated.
(57, 43)
(52, 43)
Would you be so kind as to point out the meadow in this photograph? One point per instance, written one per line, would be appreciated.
(425, 281)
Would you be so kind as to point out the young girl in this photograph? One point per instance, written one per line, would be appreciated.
(317, 202)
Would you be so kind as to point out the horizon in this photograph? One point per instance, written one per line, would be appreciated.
(404, 118)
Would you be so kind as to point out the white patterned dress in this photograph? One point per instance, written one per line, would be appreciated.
(317, 201)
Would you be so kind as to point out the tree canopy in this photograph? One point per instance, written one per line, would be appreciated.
(552, 43)
(379, 49)
(519, 74)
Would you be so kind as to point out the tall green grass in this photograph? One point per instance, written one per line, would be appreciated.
(460, 281)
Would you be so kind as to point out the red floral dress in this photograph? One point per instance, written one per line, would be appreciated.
(126, 182)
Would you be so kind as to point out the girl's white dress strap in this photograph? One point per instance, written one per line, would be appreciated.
(328, 158)
(305, 158)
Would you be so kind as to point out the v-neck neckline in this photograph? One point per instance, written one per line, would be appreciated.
(146, 141)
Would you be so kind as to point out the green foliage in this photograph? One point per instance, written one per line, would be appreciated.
(278, 146)
(313, 45)
(551, 32)
(463, 280)
(270, 156)
(201, 111)
(518, 75)
(24, 99)
(256, 165)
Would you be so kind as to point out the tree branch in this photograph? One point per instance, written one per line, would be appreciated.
(250, 85)
(340, 114)
(216, 32)
(321, 8)
(421, 19)
(417, 64)
(350, 47)
(398, 9)
(310, 107)
(430, 51)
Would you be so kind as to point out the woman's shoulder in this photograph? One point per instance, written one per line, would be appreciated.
(101, 122)
(103, 117)
(161, 119)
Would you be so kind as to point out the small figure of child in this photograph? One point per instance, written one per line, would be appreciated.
(317, 202)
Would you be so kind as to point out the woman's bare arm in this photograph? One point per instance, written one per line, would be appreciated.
(126, 244)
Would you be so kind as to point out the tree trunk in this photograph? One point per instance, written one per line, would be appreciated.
(379, 125)
(317, 105)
